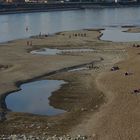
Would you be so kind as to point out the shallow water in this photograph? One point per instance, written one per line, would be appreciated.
(33, 98)
(47, 51)
(78, 69)
(119, 35)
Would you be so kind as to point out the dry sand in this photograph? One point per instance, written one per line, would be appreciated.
(99, 102)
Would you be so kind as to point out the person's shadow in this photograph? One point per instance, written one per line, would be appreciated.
(2, 116)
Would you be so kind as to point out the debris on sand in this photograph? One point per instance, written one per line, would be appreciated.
(44, 137)
(114, 68)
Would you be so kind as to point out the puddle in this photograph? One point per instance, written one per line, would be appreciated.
(47, 51)
(119, 35)
(79, 69)
(33, 98)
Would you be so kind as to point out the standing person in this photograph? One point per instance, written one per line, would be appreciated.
(2, 116)
(31, 43)
(27, 43)
(27, 28)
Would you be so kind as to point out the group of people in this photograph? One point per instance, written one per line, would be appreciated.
(78, 34)
(135, 91)
(29, 43)
(43, 35)
(136, 45)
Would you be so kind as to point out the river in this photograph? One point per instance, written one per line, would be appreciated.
(13, 26)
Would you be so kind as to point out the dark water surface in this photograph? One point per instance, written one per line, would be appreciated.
(13, 25)
(33, 98)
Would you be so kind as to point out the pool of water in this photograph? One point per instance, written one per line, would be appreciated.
(78, 69)
(119, 35)
(33, 98)
(47, 51)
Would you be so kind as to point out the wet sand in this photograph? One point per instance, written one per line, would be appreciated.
(98, 102)
(134, 30)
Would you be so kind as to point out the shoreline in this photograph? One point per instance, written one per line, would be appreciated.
(36, 11)
(37, 36)
(34, 8)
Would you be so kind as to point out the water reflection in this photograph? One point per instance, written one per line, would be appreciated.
(33, 98)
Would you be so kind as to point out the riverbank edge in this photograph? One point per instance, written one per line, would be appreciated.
(35, 11)
(62, 7)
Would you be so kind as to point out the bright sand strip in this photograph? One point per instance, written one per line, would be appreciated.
(117, 119)
(120, 119)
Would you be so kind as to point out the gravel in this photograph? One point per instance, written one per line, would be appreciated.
(44, 137)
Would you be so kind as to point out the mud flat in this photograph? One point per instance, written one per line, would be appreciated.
(134, 30)
(86, 97)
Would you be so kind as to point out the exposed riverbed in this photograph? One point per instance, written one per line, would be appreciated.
(82, 97)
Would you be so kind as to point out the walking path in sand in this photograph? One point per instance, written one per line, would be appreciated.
(118, 118)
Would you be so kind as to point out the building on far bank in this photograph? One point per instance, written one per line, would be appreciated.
(64, 1)
(13, 1)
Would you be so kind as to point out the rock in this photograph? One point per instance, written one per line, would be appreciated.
(32, 125)
(24, 137)
(13, 137)
(83, 109)
(30, 137)
(84, 137)
(96, 106)
(37, 138)
(93, 135)
(42, 137)
(38, 127)
(44, 133)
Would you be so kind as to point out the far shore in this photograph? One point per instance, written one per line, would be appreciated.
(15, 8)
